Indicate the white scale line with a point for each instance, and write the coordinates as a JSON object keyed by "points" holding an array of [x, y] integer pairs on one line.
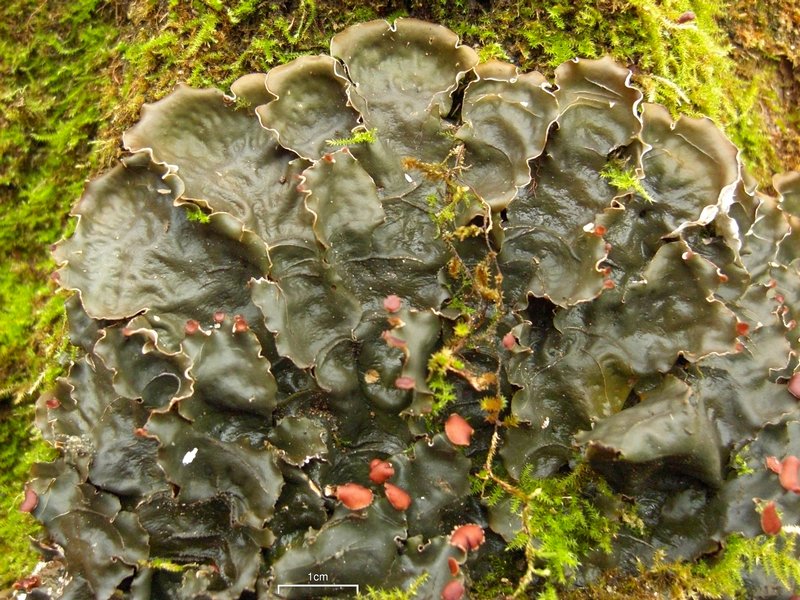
{"points": [[318, 585]]}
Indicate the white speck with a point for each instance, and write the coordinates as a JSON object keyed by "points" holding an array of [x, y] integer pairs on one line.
{"points": [[408, 178], [525, 104], [546, 423], [589, 227], [189, 456], [156, 318]]}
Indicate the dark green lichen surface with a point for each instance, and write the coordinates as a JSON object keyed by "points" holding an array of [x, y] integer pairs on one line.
{"points": [[278, 286]]}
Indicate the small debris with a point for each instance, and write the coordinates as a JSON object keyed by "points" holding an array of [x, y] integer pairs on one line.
{"points": [[189, 456], [27, 584]]}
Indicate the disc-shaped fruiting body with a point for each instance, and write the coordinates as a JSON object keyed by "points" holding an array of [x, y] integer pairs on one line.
{"points": [[397, 497], [770, 520], [353, 495], [380, 471], [458, 431], [468, 537]]}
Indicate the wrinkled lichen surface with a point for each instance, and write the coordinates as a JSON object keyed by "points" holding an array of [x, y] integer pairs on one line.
{"points": [[277, 287]]}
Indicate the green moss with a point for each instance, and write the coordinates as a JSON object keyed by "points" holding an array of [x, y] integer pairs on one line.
{"points": [[359, 137], [20, 447], [624, 179], [164, 564], [495, 583], [396, 593], [738, 463], [48, 76], [718, 577], [492, 50], [444, 393], [561, 523], [19, 298], [193, 213]]}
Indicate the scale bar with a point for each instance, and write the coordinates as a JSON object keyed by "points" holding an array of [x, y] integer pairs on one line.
{"points": [[318, 585]]}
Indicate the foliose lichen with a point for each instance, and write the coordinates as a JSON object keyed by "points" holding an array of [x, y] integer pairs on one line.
{"points": [[342, 324]]}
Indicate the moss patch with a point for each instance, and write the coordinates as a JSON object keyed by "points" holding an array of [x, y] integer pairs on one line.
{"points": [[20, 447], [766, 40], [718, 576], [50, 58]]}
